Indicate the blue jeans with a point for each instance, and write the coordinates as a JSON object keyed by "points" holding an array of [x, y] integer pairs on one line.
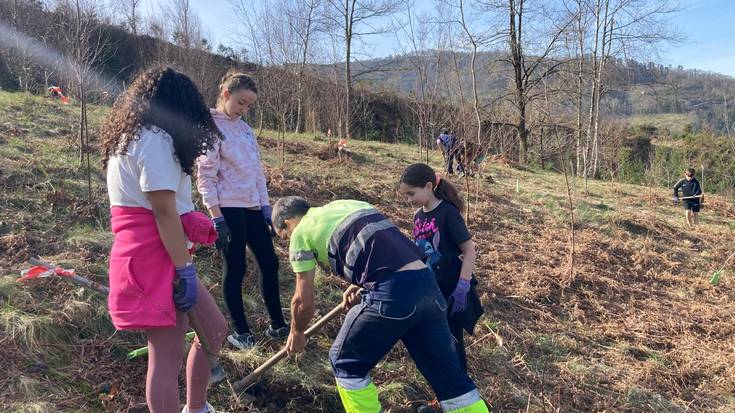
{"points": [[407, 306]]}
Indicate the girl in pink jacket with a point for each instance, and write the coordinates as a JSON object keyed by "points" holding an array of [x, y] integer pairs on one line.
{"points": [[150, 140], [231, 180]]}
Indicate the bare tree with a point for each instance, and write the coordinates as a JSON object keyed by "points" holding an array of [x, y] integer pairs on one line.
{"points": [[274, 35], [131, 13], [186, 24], [278, 98], [529, 70], [577, 10], [305, 22], [468, 31], [85, 46], [355, 19], [334, 51], [621, 28], [416, 33], [547, 112]]}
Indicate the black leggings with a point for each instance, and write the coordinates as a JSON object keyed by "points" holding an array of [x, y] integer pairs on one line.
{"points": [[248, 228]]}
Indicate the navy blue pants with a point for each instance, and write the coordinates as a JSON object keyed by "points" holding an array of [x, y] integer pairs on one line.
{"points": [[407, 306]]}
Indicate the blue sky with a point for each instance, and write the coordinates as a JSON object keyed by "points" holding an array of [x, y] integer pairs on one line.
{"points": [[708, 25]]}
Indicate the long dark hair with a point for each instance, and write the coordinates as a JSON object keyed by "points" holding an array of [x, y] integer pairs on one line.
{"points": [[169, 100], [419, 174]]}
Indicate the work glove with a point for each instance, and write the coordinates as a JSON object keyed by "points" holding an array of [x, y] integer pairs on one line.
{"points": [[267, 211], [675, 200], [185, 287], [223, 234], [458, 299]]}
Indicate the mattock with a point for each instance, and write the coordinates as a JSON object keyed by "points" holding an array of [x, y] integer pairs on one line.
{"points": [[244, 384]]}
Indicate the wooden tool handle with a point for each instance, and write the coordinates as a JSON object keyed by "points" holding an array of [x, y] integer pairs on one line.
{"points": [[253, 377]]}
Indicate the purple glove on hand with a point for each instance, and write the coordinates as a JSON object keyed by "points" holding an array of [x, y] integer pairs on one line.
{"points": [[223, 234], [267, 211], [185, 287], [458, 298]]}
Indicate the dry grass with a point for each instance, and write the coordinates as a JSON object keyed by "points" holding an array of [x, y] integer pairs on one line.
{"points": [[639, 329]]}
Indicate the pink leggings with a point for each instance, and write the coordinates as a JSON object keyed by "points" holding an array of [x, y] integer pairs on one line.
{"points": [[165, 351]]}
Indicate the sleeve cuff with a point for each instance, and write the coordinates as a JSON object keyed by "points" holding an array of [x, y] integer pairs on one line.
{"points": [[210, 201], [303, 266]]}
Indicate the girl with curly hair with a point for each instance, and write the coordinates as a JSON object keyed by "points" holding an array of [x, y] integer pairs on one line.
{"points": [[233, 187], [150, 140]]}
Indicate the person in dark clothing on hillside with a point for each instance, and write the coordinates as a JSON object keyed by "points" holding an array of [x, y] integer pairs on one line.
{"points": [[447, 144], [691, 196]]}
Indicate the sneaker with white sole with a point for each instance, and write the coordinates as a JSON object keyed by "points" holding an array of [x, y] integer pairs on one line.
{"points": [[277, 333], [209, 408], [244, 341]]}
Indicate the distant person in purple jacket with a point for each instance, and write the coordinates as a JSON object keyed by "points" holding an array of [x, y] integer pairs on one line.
{"points": [[447, 144]]}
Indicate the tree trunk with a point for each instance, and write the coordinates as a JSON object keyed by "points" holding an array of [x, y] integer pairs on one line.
{"points": [[87, 148], [580, 86], [297, 127], [515, 38], [349, 14], [81, 126], [593, 98], [606, 31], [522, 136]]}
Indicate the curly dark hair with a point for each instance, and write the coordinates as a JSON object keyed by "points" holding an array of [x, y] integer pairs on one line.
{"points": [[164, 98]]}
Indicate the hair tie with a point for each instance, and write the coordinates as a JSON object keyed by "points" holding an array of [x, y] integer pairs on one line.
{"points": [[438, 179]]}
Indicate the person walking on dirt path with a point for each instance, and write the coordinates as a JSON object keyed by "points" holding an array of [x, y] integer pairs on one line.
{"points": [[150, 140], [440, 231], [447, 144], [393, 296], [233, 188], [691, 196]]}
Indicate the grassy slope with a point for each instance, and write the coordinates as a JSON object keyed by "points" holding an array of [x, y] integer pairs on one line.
{"points": [[638, 329], [675, 122]]}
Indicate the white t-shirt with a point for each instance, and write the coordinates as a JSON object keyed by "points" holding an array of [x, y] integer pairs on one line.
{"points": [[149, 165]]}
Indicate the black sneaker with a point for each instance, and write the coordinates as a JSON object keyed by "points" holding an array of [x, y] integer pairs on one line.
{"points": [[244, 341], [217, 375], [277, 333]]}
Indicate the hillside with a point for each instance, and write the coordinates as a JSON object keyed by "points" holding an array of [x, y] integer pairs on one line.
{"points": [[634, 89], [638, 329]]}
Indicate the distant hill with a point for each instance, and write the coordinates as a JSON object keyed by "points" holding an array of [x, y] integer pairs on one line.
{"points": [[634, 89], [688, 100]]}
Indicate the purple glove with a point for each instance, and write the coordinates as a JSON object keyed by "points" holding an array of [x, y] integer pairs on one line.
{"points": [[185, 287], [267, 211], [223, 234], [459, 296]]}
